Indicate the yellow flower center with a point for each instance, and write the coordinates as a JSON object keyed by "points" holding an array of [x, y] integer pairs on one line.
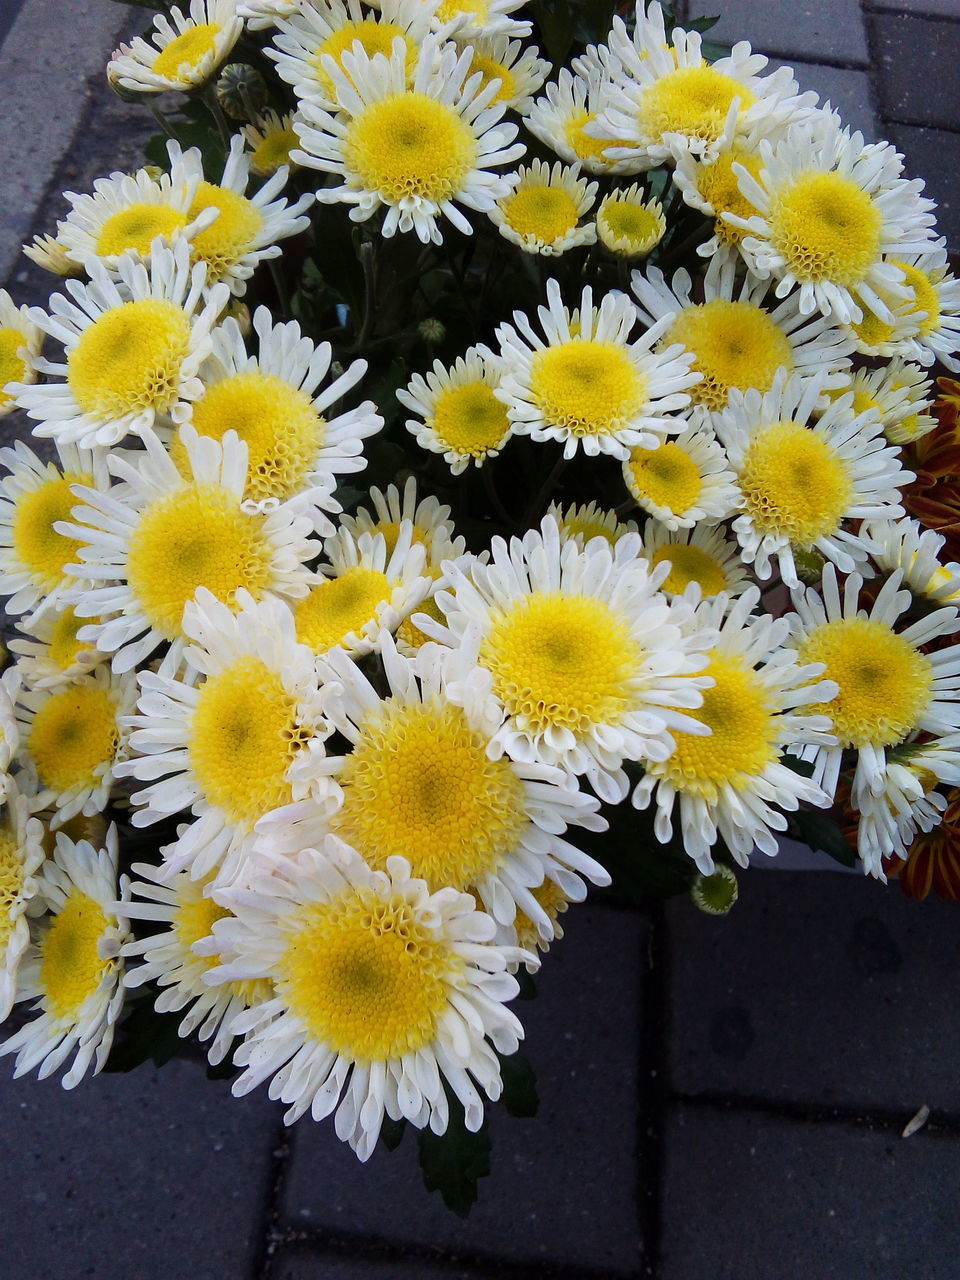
{"points": [[244, 737], [554, 901], [735, 344], [409, 144], [588, 529], [666, 476], [826, 227], [690, 564], [43, 551], [366, 977], [71, 969], [562, 661], [74, 737], [541, 213], [491, 69], [195, 917], [872, 331], [795, 484], [374, 37], [196, 536], [418, 783], [136, 227], [278, 422], [273, 151], [470, 419], [187, 49], [11, 881], [743, 734], [410, 634], [583, 144], [693, 101], [588, 388], [341, 607], [232, 234], [129, 359], [12, 364], [720, 187], [629, 226], [926, 298], [885, 682], [478, 10], [64, 647]]}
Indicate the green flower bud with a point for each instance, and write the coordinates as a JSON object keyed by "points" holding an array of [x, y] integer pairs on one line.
{"points": [[715, 894]]}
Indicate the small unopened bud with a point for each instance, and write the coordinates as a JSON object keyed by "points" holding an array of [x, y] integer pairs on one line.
{"points": [[809, 566], [152, 171], [715, 894], [241, 91], [432, 330], [241, 313]]}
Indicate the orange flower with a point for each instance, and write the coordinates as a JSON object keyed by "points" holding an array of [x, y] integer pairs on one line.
{"points": [[934, 859]]}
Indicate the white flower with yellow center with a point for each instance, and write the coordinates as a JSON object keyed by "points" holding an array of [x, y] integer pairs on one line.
{"points": [[247, 227], [149, 543], [585, 383], [457, 413], [906, 545], [630, 223], [473, 19], [9, 729], [275, 402], [683, 481], [35, 497], [72, 968], [910, 801], [183, 51], [569, 108], [271, 138], [737, 342], [259, 14], [20, 343], [385, 994], [367, 589], [828, 208], [581, 523], [711, 185], [49, 652], [805, 478], [732, 784], [21, 856], [418, 151], [703, 560], [519, 68], [183, 912], [934, 305], [224, 746], [544, 209], [899, 392], [133, 345], [49, 254], [74, 737], [581, 657], [430, 521]]}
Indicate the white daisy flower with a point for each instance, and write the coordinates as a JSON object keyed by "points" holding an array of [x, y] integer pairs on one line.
{"points": [[906, 545], [580, 655], [910, 802], [72, 967], [899, 393], [258, 14], [457, 412], [49, 254], [21, 856], [564, 117], [828, 208], [544, 210], [935, 304], [429, 518], [518, 67], [417, 151], [20, 342], [629, 223], [184, 50], [271, 138], [683, 481], [874, 337], [732, 784], [581, 523], [148, 544], [385, 993], [586, 383], [803, 480], [468, 20], [49, 652], [133, 345], [703, 560]]}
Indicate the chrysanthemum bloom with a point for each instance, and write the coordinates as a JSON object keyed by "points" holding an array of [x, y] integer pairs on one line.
{"points": [[224, 747], [933, 860], [828, 208], [519, 68], [21, 855], [889, 688], [275, 402], [385, 994], [666, 99], [629, 223], [584, 659], [683, 481], [585, 383], [271, 138], [732, 784], [49, 652], [872, 336], [149, 543], [468, 20], [49, 254], [20, 342], [429, 519], [186, 49], [544, 210], [133, 345], [906, 545], [259, 14], [803, 480], [899, 392], [457, 413], [35, 497], [417, 151], [935, 457], [910, 801], [703, 560], [71, 968], [735, 341], [935, 302], [247, 227], [581, 523], [74, 737]]}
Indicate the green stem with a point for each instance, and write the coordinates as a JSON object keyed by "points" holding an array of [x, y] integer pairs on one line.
{"points": [[280, 284], [545, 489], [165, 125], [490, 488], [209, 97]]}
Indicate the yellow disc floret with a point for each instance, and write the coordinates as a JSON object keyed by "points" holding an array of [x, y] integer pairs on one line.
{"points": [[410, 634], [690, 564], [826, 227], [885, 682], [794, 483], [666, 476], [231, 235], [12, 364], [341, 607], [478, 10], [71, 968], [588, 388], [74, 737], [735, 344], [43, 551], [541, 213], [273, 150], [374, 37], [129, 359], [136, 227], [64, 647], [630, 227], [195, 917], [692, 101], [187, 49], [491, 69], [720, 187], [925, 296], [583, 144], [470, 419]]}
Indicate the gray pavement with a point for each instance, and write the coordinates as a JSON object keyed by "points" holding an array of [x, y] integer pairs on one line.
{"points": [[720, 1099]]}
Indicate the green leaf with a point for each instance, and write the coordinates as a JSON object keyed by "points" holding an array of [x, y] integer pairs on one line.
{"points": [[453, 1162], [557, 23], [819, 831], [145, 1036], [391, 1132], [520, 1095], [803, 767], [638, 863]]}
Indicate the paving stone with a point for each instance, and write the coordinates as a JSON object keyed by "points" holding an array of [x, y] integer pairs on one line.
{"points": [[931, 8], [916, 62], [826, 989], [830, 29], [304, 1263], [156, 1175], [848, 92], [563, 1186], [756, 1197], [934, 155]]}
